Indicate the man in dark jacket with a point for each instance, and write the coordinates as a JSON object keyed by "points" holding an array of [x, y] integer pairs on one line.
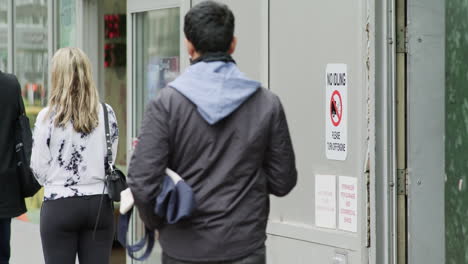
{"points": [[11, 201], [228, 139]]}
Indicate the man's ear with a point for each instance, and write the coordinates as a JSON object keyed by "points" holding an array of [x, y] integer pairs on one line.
{"points": [[232, 48], [190, 48]]}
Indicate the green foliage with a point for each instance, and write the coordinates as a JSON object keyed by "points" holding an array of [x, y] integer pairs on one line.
{"points": [[456, 132]]}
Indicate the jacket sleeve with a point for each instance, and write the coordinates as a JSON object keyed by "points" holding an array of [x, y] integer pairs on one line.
{"points": [[149, 161], [41, 156], [279, 164]]}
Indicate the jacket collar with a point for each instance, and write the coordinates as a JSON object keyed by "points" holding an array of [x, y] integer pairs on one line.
{"points": [[213, 56]]}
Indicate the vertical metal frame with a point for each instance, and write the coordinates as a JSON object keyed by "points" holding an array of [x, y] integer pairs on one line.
{"points": [[11, 35], [385, 133], [370, 167], [80, 23], [426, 131], [89, 36], [51, 36]]}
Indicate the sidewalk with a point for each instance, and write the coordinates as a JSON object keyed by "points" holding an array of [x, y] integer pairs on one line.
{"points": [[26, 245]]}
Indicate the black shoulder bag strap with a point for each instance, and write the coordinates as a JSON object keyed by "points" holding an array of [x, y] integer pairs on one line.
{"points": [[109, 163], [108, 139]]}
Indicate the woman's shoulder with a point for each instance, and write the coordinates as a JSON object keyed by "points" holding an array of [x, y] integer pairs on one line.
{"points": [[42, 115], [110, 110]]}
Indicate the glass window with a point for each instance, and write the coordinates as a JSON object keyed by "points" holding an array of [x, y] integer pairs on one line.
{"points": [[3, 35], [66, 23], [115, 69], [157, 50], [31, 67], [31, 56]]}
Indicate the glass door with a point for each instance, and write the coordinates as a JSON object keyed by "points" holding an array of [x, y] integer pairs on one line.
{"points": [[157, 54], [154, 59]]}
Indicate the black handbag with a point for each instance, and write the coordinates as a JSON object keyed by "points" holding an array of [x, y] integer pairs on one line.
{"points": [[23, 148], [115, 179]]}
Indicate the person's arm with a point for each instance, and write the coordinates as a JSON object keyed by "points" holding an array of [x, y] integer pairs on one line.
{"points": [[41, 157], [279, 165], [149, 162]]}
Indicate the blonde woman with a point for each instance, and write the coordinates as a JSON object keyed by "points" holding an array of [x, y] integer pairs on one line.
{"points": [[68, 159]]}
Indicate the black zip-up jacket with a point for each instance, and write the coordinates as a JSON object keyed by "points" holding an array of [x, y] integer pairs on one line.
{"points": [[11, 201], [232, 167]]}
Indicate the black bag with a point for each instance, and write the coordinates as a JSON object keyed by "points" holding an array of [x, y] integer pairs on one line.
{"points": [[115, 178], [23, 148]]}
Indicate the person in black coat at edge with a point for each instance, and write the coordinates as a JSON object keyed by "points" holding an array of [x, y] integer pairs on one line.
{"points": [[227, 137], [11, 201]]}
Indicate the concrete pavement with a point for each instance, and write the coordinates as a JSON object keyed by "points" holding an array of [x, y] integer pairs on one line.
{"points": [[26, 245]]}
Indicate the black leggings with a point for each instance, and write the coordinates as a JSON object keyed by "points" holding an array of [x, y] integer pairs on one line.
{"points": [[5, 233], [67, 230]]}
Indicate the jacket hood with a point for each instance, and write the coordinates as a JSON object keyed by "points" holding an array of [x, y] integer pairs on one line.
{"points": [[217, 88]]}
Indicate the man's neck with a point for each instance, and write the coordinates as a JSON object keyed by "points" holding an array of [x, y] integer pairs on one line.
{"points": [[196, 55]]}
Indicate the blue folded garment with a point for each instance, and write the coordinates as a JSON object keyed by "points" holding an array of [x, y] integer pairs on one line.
{"points": [[174, 203]]}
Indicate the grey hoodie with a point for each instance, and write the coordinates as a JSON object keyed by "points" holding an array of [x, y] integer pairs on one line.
{"points": [[216, 88]]}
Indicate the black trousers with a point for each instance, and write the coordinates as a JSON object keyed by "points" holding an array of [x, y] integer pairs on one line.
{"points": [[67, 230], [258, 257], [5, 234]]}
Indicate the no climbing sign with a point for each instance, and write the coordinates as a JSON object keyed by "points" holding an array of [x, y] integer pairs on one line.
{"points": [[336, 111]]}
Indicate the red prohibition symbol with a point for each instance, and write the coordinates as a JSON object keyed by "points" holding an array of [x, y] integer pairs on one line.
{"points": [[336, 108]]}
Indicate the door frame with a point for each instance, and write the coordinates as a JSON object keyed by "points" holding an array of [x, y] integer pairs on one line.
{"points": [[135, 7]]}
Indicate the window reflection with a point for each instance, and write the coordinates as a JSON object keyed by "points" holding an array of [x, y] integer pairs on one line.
{"points": [[31, 54], [66, 23], [157, 51], [31, 67]]}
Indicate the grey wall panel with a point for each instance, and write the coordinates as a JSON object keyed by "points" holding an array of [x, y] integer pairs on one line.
{"points": [[304, 37], [252, 34], [426, 92], [292, 251]]}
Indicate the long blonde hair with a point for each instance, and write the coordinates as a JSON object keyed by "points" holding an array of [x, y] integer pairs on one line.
{"points": [[74, 96]]}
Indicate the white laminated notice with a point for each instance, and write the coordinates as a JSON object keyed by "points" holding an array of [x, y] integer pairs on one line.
{"points": [[336, 112], [325, 201], [348, 197]]}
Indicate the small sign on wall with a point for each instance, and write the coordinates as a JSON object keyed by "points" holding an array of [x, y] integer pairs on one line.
{"points": [[347, 211], [325, 201], [336, 111]]}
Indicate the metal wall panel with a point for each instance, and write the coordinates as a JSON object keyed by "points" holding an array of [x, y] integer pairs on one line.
{"points": [[304, 37], [285, 249], [426, 92]]}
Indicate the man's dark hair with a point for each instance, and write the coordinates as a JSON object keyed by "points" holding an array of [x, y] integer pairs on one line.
{"points": [[210, 27]]}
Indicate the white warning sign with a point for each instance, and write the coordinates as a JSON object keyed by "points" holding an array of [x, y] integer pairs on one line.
{"points": [[325, 201], [336, 106], [348, 197]]}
